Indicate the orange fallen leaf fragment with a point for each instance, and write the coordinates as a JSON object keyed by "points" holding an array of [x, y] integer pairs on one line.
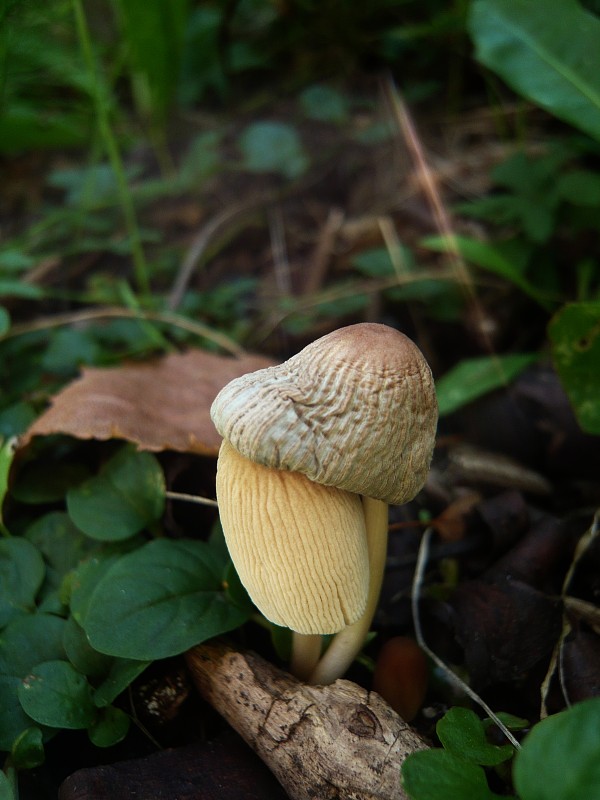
{"points": [[163, 404], [401, 676]]}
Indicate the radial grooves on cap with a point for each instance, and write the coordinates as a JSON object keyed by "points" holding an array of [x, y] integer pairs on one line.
{"points": [[299, 548], [356, 409]]}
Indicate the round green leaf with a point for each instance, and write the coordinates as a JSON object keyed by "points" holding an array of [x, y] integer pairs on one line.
{"points": [[325, 104], [560, 758], [81, 583], [29, 640], [6, 787], [7, 451], [110, 727], [127, 495], [461, 732], [439, 775], [4, 321], [160, 600], [575, 337], [13, 720], [21, 574], [15, 419], [55, 694], [273, 147], [81, 654], [62, 544], [28, 750], [122, 672]]}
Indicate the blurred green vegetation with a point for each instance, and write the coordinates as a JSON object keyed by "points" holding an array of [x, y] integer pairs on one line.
{"points": [[97, 81], [112, 110]]}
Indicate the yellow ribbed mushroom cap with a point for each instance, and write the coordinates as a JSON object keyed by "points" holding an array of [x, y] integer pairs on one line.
{"points": [[299, 548]]}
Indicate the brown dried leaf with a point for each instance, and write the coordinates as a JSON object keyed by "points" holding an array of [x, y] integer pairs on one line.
{"points": [[162, 404], [505, 627], [451, 524]]}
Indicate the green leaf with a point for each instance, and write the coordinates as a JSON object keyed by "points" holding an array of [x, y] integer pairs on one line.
{"points": [[23, 129], [487, 257], [474, 377], [7, 451], [154, 33], [7, 788], [28, 641], [110, 727], [55, 694], [202, 158], [551, 58], [324, 104], [61, 543], [68, 349], [575, 339], [439, 775], [160, 600], [13, 259], [512, 723], [560, 757], [273, 147], [16, 418], [580, 188], [81, 583], [127, 495], [27, 751], [121, 674], [461, 732], [13, 720], [21, 574], [81, 654], [4, 321], [14, 288]]}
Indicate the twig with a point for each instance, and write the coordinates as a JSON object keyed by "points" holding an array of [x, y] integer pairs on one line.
{"points": [[427, 180], [200, 243], [319, 260], [191, 498], [556, 660], [110, 312], [452, 677]]}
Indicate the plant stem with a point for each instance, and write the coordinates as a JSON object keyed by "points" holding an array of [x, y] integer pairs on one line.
{"points": [[346, 644], [306, 651], [112, 150]]}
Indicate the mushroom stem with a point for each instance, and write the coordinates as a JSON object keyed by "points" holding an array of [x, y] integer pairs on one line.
{"points": [[306, 651], [346, 644]]}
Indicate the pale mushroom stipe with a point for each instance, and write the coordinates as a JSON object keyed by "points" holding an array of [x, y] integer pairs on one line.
{"points": [[313, 451]]}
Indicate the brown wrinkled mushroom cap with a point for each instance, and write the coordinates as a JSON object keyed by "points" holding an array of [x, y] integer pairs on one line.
{"points": [[355, 409], [299, 548]]}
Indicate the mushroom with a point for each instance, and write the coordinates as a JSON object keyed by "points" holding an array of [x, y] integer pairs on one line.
{"points": [[313, 451]]}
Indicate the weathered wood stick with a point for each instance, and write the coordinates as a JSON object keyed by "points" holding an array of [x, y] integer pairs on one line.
{"points": [[337, 741]]}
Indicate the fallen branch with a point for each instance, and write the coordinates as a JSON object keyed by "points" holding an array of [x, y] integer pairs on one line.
{"points": [[338, 741]]}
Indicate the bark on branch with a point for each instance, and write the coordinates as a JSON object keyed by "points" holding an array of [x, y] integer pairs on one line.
{"points": [[337, 741]]}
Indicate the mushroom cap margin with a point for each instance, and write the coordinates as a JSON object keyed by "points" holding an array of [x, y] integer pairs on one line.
{"points": [[299, 548]]}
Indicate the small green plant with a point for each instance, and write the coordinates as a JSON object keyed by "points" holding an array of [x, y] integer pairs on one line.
{"points": [[88, 595], [558, 760]]}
